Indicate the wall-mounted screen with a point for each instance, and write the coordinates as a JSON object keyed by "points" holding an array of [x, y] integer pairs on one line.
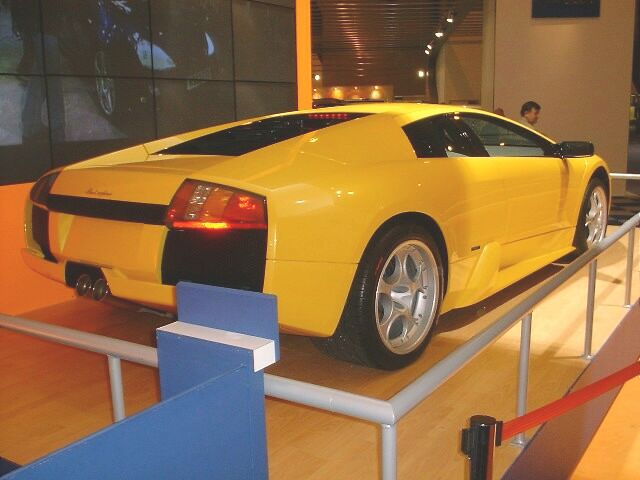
{"points": [[79, 78], [565, 8]]}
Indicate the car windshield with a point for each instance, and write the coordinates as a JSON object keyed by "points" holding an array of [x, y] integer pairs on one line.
{"points": [[259, 134]]}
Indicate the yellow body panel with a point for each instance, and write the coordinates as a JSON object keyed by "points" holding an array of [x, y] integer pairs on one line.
{"points": [[327, 194]]}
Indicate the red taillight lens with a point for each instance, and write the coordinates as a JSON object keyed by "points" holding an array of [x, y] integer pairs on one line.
{"points": [[206, 206]]}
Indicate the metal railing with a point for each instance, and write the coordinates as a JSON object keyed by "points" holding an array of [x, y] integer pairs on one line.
{"points": [[386, 413]]}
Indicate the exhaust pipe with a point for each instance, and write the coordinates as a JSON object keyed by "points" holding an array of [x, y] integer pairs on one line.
{"points": [[100, 289], [87, 287], [84, 285]]}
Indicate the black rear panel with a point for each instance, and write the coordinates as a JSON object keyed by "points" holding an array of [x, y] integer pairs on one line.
{"points": [[231, 259], [40, 230], [252, 136], [148, 213]]}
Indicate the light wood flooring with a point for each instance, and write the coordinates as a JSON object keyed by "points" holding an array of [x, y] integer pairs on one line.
{"points": [[51, 395]]}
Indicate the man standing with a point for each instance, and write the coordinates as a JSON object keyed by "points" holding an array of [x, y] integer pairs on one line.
{"points": [[529, 113]]}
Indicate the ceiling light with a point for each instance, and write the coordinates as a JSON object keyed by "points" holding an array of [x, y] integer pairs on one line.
{"points": [[450, 18], [439, 34], [317, 77], [421, 73], [427, 52], [430, 46]]}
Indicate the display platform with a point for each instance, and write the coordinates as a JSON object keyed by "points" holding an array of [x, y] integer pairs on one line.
{"points": [[67, 394]]}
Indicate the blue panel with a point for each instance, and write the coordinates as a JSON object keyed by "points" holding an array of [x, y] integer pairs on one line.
{"points": [[238, 311], [184, 362], [201, 434]]}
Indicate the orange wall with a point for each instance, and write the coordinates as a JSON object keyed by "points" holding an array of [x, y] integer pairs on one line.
{"points": [[21, 289], [303, 49]]}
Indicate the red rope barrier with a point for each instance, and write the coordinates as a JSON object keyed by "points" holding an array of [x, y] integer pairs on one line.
{"points": [[571, 401]]}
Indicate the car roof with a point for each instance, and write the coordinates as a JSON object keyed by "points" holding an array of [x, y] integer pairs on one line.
{"points": [[410, 112]]}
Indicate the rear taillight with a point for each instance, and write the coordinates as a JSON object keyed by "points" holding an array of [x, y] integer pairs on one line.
{"points": [[40, 191], [206, 206]]}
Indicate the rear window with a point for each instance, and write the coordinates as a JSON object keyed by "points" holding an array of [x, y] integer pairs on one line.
{"points": [[259, 134]]}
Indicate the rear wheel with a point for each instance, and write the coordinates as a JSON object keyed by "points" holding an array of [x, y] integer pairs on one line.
{"points": [[394, 301], [594, 214]]}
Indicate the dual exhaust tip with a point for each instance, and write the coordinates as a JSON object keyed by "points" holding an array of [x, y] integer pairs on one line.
{"points": [[97, 289]]}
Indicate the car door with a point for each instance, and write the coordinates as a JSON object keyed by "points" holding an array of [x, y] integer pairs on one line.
{"points": [[536, 182], [474, 201]]}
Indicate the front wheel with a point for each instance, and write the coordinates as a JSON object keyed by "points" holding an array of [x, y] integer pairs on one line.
{"points": [[594, 214], [394, 301]]}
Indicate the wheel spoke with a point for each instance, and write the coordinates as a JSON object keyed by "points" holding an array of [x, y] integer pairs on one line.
{"points": [[407, 296]]}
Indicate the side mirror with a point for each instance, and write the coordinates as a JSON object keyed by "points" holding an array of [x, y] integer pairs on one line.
{"points": [[576, 149]]}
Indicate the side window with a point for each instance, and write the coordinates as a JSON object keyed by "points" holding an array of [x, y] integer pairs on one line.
{"points": [[459, 140], [441, 137], [502, 139], [426, 138]]}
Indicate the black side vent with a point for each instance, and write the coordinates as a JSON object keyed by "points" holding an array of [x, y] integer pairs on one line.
{"points": [[148, 213]]}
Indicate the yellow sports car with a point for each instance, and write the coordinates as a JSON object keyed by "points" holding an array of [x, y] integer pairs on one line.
{"points": [[366, 221]]}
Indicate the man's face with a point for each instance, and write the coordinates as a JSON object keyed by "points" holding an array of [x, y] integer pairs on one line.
{"points": [[532, 116]]}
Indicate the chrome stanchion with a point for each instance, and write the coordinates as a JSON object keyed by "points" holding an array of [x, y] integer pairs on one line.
{"points": [[389, 452], [629, 276], [591, 295], [117, 394], [523, 374]]}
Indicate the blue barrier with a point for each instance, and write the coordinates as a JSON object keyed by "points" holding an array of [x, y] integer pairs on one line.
{"points": [[210, 422]]}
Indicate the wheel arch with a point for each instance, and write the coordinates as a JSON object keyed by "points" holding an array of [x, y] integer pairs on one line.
{"points": [[601, 174], [423, 220]]}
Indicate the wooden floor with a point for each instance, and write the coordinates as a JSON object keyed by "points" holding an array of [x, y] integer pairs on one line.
{"points": [[51, 395]]}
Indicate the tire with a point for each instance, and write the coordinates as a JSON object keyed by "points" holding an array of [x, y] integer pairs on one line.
{"points": [[594, 214], [394, 301]]}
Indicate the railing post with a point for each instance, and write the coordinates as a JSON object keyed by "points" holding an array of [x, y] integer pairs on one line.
{"points": [[478, 443], [523, 374], [389, 452], [115, 381], [591, 295], [628, 279]]}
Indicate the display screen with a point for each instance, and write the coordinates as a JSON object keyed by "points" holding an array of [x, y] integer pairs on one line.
{"points": [[20, 42], [263, 51], [192, 39], [565, 8], [79, 78], [97, 37], [184, 105], [254, 99]]}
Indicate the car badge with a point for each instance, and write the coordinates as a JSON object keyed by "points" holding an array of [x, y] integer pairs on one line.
{"points": [[93, 191]]}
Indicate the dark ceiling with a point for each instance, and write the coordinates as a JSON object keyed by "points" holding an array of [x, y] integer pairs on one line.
{"points": [[374, 42]]}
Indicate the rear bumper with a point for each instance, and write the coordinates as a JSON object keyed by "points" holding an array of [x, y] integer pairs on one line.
{"points": [[311, 296], [148, 293]]}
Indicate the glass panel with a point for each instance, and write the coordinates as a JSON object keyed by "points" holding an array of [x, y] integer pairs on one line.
{"points": [[255, 99], [192, 39], [184, 105], [24, 137], [252, 136], [98, 37], [86, 121], [20, 39], [263, 42], [502, 140], [426, 139]]}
